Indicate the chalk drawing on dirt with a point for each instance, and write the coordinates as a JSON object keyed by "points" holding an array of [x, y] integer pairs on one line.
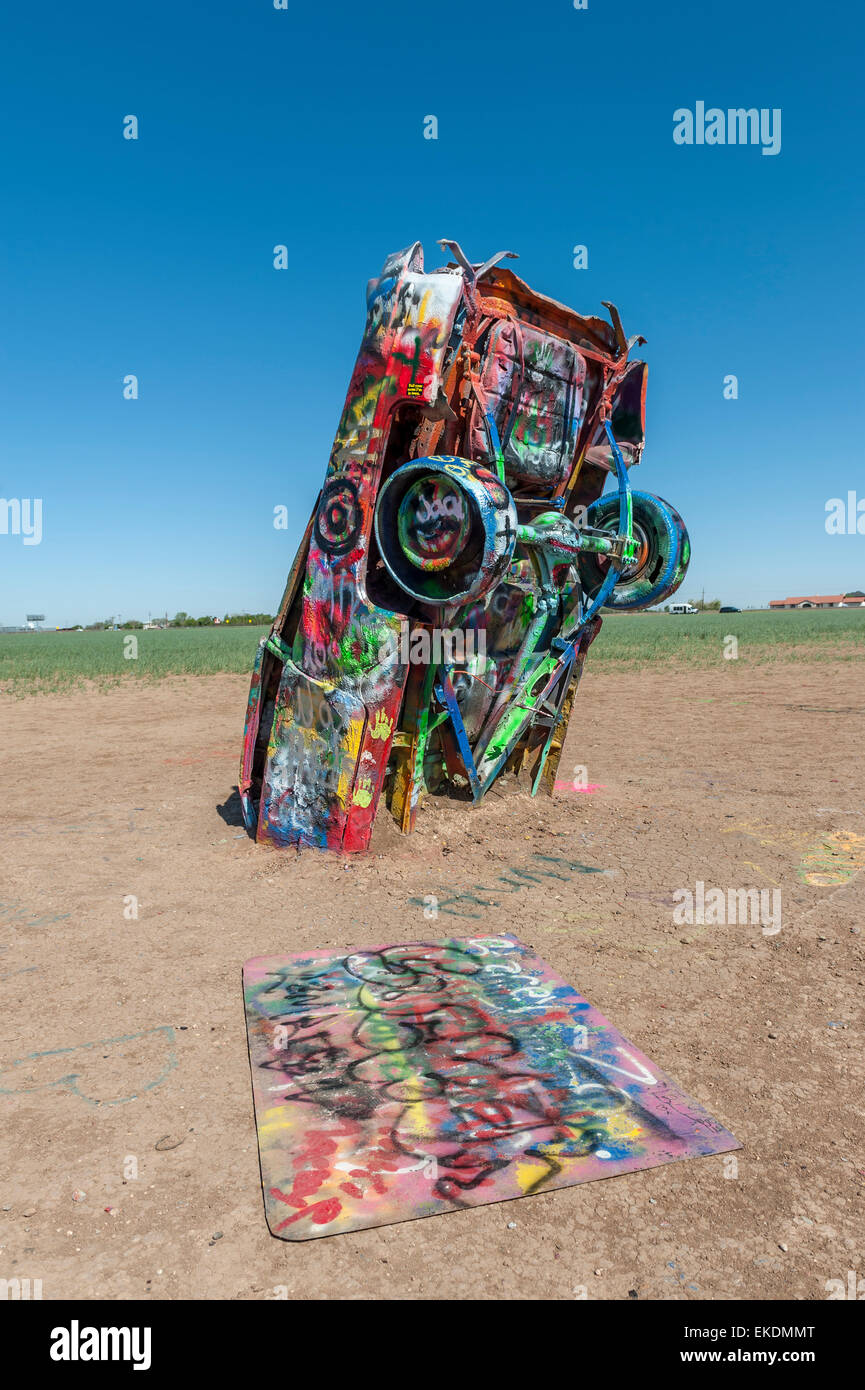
{"points": [[79, 1070], [512, 880], [829, 863], [834, 860], [13, 914]]}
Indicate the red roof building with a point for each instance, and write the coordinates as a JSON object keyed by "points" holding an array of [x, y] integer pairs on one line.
{"points": [[852, 600]]}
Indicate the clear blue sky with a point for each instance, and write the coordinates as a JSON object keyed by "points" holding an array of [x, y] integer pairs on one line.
{"points": [[305, 127]]}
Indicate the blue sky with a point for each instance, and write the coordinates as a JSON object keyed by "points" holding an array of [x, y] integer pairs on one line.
{"points": [[305, 127]]}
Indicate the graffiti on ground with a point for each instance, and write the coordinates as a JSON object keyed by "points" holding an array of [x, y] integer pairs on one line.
{"points": [[829, 863], [142, 1060], [407, 1080], [834, 860], [12, 914], [446, 901]]}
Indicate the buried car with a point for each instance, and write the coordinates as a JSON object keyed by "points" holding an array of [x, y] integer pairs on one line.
{"points": [[453, 572]]}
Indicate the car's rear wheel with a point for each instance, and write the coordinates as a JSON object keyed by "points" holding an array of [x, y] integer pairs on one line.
{"points": [[662, 562]]}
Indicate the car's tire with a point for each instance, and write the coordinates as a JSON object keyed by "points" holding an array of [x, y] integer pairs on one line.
{"points": [[445, 528], [661, 566]]}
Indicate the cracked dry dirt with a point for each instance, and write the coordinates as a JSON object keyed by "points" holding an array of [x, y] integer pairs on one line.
{"points": [[123, 1047]]}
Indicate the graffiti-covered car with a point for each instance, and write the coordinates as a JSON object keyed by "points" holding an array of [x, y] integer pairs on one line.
{"points": [[453, 573]]}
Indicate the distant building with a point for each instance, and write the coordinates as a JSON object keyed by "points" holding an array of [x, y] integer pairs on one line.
{"points": [[855, 599]]}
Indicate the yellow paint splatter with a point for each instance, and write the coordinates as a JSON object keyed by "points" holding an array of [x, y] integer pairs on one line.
{"points": [[350, 747], [834, 860]]}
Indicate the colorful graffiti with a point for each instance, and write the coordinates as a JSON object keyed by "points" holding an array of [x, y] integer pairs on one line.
{"points": [[829, 863], [833, 861], [407, 1080], [463, 492]]}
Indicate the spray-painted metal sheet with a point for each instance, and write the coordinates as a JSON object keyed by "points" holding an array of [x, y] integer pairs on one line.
{"points": [[407, 1080]]}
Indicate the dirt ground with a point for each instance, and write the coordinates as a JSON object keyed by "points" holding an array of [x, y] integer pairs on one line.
{"points": [[123, 1059]]}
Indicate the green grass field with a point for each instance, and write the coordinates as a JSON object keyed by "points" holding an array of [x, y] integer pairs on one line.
{"points": [[698, 639], [47, 661], [50, 661]]}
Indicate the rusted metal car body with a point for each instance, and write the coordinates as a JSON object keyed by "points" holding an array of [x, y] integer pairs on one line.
{"points": [[437, 616]]}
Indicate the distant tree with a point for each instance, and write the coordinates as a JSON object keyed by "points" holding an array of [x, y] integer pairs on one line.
{"points": [[132, 623], [702, 607], [260, 619]]}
